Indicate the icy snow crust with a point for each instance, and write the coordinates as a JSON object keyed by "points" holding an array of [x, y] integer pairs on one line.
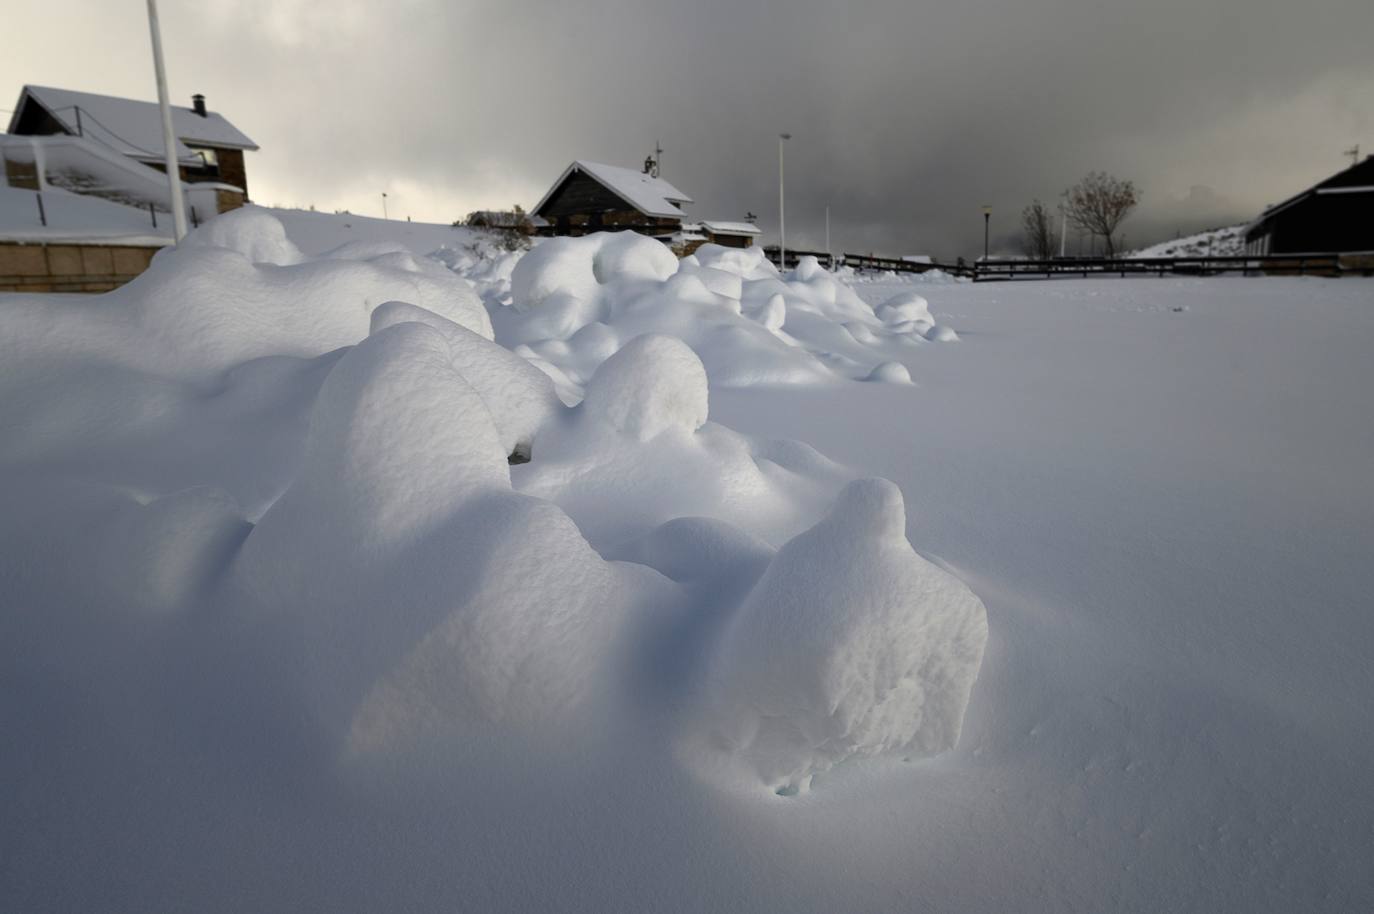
{"points": [[313, 452]]}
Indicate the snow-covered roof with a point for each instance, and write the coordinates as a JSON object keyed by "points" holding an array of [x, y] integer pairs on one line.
{"points": [[130, 126], [650, 195], [730, 228], [1330, 185]]}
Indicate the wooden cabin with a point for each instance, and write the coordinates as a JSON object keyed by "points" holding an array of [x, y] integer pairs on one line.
{"points": [[730, 234], [209, 148], [1333, 216], [591, 197]]}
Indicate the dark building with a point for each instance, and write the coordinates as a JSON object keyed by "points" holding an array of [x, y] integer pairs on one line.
{"points": [[591, 197], [1335, 216]]}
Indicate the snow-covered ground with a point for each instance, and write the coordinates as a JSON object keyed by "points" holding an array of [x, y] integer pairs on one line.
{"points": [[281, 628], [315, 232]]}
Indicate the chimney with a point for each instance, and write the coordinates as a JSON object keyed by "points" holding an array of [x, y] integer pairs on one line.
{"points": [[198, 104]]}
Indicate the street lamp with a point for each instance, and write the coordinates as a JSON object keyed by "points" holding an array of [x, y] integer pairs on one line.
{"points": [[1063, 228], [384, 205], [782, 218], [169, 141], [987, 220]]}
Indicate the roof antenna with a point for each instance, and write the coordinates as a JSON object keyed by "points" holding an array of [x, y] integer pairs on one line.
{"points": [[1354, 153]]}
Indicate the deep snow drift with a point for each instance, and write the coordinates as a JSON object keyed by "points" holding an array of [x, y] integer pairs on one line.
{"points": [[319, 448], [283, 627]]}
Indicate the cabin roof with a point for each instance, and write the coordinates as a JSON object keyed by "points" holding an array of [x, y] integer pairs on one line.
{"points": [[1358, 178], [650, 195], [130, 126], [730, 228]]}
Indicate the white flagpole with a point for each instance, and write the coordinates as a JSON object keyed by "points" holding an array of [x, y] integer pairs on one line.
{"points": [[169, 141]]}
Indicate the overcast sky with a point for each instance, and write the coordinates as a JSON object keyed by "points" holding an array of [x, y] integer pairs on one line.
{"points": [[905, 117]]}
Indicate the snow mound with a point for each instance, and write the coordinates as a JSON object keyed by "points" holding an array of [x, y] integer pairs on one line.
{"points": [[850, 645], [939, 333], [891, 373], [519, 397], [251, 231], [905, 306], [206, 306], [429, 593], [652, 384], [572, 299], [640, 451]]}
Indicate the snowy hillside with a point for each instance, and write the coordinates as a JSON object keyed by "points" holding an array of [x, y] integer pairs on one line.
{"points": [[372, 567], [314, 232], [1222, 242]]}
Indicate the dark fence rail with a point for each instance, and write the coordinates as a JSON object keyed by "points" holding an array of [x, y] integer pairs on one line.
{"points": [[1253, 265]]}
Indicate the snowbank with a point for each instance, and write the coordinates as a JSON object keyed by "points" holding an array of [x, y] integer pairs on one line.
{"points": [[265, 511], [323, 445], [572, 302]]}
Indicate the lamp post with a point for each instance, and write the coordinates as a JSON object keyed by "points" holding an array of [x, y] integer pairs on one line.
{"points": [[169, 142], [384, 216], [1063, 229], [782, 217], [987, 220], [829, 258]]}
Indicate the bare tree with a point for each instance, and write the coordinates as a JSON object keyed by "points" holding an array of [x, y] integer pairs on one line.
{"points": [[1099, 203], [1040, 239]]}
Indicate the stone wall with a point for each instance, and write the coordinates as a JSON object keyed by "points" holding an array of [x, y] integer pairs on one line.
{"points": [[43, 267]]}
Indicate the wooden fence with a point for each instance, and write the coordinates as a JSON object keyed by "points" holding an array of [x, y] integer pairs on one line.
{"points": [[1102, 268], [1258, 265], [865, 262]]}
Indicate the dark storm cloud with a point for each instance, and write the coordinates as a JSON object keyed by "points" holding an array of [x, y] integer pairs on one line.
{"points": [[906, 117]]}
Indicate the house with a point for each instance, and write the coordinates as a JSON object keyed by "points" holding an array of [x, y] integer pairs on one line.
{"points": [[730, 234], [1333, 216], [209, 148], [591, 197]]}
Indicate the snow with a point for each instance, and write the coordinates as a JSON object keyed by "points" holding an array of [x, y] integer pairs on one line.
{"points": [[573, 301], [651, 195], [74, 218], [811, 674], [731, 228], [1222, 242], [133, 127], [1074, 620], [316, 233], [652, 384]]}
